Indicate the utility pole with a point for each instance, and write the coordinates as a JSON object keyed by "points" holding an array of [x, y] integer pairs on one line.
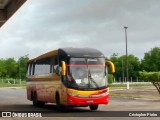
{"points": [[127, 76], [122, 71]]}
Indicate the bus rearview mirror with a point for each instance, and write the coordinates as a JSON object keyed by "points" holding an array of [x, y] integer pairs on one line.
{"points": [[112, 67], [63, 68]]}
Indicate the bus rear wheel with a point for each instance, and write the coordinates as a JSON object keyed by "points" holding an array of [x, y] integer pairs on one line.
{"points": [[93, 107], [36, 102]]}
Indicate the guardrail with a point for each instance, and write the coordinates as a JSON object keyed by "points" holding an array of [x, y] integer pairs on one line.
{"points": [[131, 83]]}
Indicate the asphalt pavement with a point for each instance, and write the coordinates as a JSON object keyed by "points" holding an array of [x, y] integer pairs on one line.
{"points": [[15, 100]]}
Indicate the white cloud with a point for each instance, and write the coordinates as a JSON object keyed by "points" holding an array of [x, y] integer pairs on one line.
{"points": [[38, 27]]}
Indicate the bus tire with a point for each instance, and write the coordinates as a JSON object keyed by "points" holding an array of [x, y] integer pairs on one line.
{"points": [[93, 107], [32, 96], [36, 102], [58, 104]]}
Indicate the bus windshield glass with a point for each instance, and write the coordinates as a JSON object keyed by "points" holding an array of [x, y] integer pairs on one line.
{"points": [[87, 73]]}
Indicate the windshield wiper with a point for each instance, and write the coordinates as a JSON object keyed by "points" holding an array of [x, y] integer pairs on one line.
{"points": [[91, 79]]}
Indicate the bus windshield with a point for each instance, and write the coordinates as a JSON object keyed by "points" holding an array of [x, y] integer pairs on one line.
{"points": [[87, 73]]}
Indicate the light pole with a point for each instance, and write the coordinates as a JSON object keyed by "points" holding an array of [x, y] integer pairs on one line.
{"points": [[122, 71], [127, 76]]}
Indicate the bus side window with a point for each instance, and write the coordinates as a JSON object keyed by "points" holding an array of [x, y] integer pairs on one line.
{"points": [[33, 69], [42, 66], [29, 69]]}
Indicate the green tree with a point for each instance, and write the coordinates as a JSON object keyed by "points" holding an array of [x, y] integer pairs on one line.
{"points": [[153, 77], [150, 65], [151, 60], [3, 71], [133, 66], [11, 68], [120, 65], [22, 66]]}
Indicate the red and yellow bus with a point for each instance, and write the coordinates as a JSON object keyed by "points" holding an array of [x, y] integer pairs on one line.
{"points": [[69, 77]]}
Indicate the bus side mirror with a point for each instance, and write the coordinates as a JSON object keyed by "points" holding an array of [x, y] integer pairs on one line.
{"points": [[63, 68], [111, 66]]}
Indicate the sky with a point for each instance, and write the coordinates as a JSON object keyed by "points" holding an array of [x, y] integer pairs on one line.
{"points": [[40, 26]]}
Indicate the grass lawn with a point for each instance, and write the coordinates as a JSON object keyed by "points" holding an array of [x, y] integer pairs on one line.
{"points": [[130, 85], [13, 85]]}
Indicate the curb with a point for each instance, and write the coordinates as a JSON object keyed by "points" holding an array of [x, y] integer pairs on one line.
{"points": [[138, 99]]}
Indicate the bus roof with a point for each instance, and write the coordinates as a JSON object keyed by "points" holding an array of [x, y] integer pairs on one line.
{"points": [[81, 52], [71, 52], [49, 54]]}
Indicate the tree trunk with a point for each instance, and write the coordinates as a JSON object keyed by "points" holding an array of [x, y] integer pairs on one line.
{"points": [[157, 85]]}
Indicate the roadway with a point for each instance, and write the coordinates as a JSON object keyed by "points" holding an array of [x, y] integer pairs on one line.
{"points": [[12, 99]]}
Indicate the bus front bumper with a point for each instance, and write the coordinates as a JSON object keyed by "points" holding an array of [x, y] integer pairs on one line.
{"points": [[78, 101]]}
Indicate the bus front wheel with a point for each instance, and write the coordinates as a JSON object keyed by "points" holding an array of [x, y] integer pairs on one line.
{"points": [[58, 104], [93, 107]]}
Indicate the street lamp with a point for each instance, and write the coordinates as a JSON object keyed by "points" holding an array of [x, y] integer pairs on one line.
{"points": [[126, 58], [122, 71]]}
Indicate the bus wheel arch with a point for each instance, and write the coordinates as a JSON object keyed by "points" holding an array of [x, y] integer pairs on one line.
{"points": [[57, 98], [36, 102], [58, 103]]}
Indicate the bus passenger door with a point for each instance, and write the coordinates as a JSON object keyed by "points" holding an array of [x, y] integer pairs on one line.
{"points": [[63, 88]]}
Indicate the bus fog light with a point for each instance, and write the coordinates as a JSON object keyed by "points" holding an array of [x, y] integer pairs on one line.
{"points": [[107, 99]]}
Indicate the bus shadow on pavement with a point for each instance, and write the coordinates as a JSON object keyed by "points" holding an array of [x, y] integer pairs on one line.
{"points": [[53, 108], [49, 110], [46, 108]]}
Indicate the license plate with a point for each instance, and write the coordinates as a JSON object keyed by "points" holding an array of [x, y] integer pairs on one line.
{"points": [[89, 101]]}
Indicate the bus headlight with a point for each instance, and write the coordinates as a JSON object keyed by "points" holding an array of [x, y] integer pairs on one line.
{"points": [[72, 94], [106, 93]]}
